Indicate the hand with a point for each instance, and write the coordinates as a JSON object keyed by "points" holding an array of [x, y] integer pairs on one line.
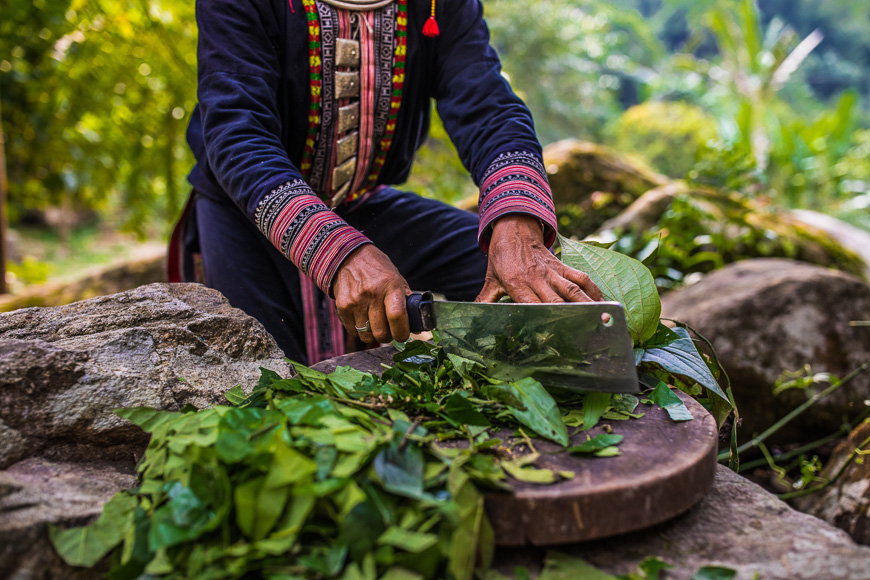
{"points": [[370, 291], [521, 266]]}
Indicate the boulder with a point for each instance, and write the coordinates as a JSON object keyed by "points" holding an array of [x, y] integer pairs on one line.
{"points": [[592, 184], [852, 238], [703, 229], [846, 503], [738, 525], [765, 316], [38, 492], [577, 169], [64, 369]]}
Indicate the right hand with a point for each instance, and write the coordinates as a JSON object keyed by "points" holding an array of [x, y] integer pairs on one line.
{"points": [[368, 289]]}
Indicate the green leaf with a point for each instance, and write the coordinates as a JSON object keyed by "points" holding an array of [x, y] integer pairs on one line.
{"points": [[527, 473], [397, 573], [401, 469], [714, 573], [259, 507], [347, 378], [464, 366], [653, 566], [148, 419], [460, 410], [621, 279], [236, 396], [597, 443], [473, 542], [559, 566], [681, 357], [624, 403], [87, 545], [663, 336], [183, 518], [541, 414], [410, 541], [307, 411], [665, 398], [594, 406]]}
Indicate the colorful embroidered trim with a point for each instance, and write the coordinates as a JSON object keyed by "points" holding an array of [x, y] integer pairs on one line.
{"points": [[316, 80], [516, 182], [400, 53], [306, 231]]}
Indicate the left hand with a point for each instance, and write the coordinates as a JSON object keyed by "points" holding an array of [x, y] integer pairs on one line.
{"points": [[521, 266]]}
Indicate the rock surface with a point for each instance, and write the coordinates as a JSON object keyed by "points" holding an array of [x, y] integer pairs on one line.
{"points": [[764, 316], [855, 239], [37, 492], [846, 504], [577, 169], [737, 525], [64, 369]]}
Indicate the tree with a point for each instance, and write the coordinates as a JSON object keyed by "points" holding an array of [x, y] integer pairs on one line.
{"points": [[98, 96]]}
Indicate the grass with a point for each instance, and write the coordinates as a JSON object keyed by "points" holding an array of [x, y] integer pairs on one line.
{"points": [[42, 257]]}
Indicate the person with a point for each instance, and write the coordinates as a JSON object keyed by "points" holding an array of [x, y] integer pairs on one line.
{"points": [[309, 111]]}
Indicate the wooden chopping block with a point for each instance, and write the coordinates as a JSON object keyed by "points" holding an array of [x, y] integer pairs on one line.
{"points": [[665, 468]]}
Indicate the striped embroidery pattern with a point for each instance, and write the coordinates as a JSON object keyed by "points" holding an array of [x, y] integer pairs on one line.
{"points": [[399, 53], [306, 231], [516, 182], [324, 148], [316, 81]]}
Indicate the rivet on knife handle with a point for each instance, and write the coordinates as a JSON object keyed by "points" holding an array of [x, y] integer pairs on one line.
{"points": [[420, 315]]}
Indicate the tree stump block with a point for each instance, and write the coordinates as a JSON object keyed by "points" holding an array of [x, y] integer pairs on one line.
{"points": [[665, 469]]}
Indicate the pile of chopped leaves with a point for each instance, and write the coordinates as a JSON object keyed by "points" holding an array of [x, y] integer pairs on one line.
{"points": [[353, 476]]}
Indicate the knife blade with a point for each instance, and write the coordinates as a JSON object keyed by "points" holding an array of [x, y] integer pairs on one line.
{"points": [[577, 346]]}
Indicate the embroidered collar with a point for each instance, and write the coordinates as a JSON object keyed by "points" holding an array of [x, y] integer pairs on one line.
{"points": [[358, 5]]}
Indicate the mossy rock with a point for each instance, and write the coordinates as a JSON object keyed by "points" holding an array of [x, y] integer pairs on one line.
{"points": [[699, 230], [592, 183]]}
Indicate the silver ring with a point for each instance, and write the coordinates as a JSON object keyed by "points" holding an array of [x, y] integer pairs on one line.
{"points": [[366, 328]]}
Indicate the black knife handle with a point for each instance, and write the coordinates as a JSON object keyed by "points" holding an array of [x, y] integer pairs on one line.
{"points": [[420, 314]]}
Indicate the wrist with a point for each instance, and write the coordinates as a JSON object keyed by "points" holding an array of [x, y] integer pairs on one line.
{"points": [[523, 225]]}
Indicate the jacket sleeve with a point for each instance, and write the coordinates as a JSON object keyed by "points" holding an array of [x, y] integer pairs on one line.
{"points": [[490, 126], [238, 80]]}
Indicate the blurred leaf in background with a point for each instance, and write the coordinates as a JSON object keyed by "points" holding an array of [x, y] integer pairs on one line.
{"points": [[96, 95]]}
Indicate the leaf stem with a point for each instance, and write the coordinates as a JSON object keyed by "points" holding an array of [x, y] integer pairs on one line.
{"points": [[845, 429], [859, 450], [795, 412]]}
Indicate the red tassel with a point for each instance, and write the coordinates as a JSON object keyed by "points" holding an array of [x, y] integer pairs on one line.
{"points": [[430, 29]]}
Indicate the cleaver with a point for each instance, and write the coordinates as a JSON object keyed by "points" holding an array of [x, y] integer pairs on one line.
{"points": [[575, 346]]}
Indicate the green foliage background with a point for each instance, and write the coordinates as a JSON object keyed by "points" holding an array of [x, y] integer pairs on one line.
{"points": [[96, 96]]}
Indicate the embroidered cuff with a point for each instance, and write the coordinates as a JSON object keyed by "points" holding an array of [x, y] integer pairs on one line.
{"points": [[516, 183], [315, 239]]}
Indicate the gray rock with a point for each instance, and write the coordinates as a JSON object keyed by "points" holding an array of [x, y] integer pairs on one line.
{"points": [[765, 316], [846, 503], [852, 238], [36, 493], [737, 525], [64, 369]]}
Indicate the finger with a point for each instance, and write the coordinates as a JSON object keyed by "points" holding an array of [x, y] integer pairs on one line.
{"points": [[380, 325], [362, 320], [492, 291], [570, 291], [547, 292], [523, 294], [584, 282], [397, 315], [347, 320]]}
